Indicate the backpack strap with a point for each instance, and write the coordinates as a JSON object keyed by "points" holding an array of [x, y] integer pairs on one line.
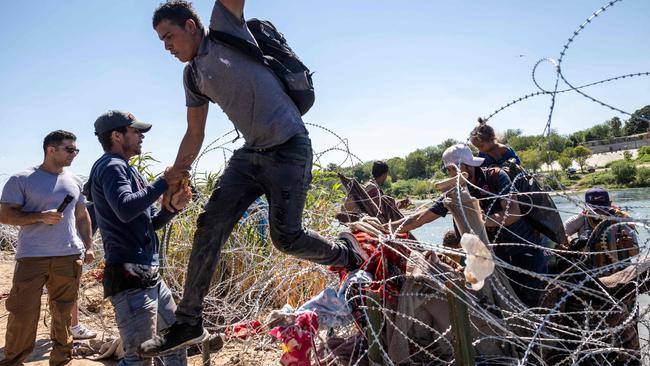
{"points": [[242, 45]]}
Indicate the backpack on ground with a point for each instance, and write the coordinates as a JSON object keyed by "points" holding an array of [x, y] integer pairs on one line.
{"points": [[536, 205], [273, 51]]}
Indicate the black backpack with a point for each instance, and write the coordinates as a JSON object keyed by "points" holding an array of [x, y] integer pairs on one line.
{"points": [[274, 52], [546, 220]]}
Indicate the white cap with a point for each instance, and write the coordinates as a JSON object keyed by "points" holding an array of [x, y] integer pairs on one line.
{"points": [[460, 154]]}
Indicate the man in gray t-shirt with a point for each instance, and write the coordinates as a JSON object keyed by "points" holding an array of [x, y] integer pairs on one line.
{"points": [[276, 159], [52, 238]]}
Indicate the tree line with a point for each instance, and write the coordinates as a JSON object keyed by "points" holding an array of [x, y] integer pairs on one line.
{"points": [[534, 150]]}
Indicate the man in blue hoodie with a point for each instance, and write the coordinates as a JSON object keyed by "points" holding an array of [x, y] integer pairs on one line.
{"points": [[127, 220]]}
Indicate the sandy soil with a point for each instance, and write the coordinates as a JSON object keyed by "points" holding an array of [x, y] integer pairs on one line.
{"points": [[98, 316]]}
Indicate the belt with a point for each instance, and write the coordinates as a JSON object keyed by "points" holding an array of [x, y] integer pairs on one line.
{"points": [[276, 147]]}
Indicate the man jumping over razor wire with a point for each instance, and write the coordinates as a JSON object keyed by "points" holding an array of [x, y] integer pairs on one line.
{"points": [[276, 159]]}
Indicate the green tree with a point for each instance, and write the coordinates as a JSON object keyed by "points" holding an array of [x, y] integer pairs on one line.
{"points": [[556, 142], [362, 171], [581, 154], [565, 162], [577, 138], [548, 157], [531, 159], [416, 166], [615, 124], [521, 143], [598, 132], [638, 122], [396, 168], [509, 134], [332, 167]]}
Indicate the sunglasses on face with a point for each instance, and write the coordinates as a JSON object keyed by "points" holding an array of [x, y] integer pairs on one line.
{"points": [[70, 150]]}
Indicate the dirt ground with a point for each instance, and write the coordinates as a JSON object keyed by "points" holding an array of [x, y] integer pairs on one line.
{"points": [[97, 315]]}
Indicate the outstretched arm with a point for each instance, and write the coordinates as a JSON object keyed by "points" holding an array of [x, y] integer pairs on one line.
{"points": [[414, 221], [234, 6], [193, 139], [125, 203]]}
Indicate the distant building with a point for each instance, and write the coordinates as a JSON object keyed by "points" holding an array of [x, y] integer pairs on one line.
{"points": [[619, 143]]}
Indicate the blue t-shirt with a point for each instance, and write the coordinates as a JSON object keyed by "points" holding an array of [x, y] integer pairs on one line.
{"points": [[37, 190], [490, 161]]}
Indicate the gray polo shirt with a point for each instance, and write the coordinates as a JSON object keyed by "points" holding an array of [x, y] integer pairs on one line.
{"points": [[37, 190], [248, 92]]}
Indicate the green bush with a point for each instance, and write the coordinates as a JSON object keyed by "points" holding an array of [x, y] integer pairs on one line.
{"points": [[597, 179], [642, 177], [553, 181], [421, 188], [409, 187], [624, 171], [644, 150], [627, 155], [609, 164]]}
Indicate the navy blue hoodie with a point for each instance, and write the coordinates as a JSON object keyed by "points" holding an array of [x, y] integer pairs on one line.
{"points": [[124, 210]]}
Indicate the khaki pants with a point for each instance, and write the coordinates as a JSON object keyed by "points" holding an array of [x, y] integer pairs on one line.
{"points": [[61, 276]]}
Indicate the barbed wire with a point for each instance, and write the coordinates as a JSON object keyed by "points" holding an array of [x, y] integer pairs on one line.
{"points": [[580, 319]]}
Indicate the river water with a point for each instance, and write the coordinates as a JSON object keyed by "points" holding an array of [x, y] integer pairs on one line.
{"points": [[635, 201]]}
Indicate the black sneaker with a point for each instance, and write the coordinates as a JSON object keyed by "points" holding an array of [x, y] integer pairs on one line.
{"points": [[178, 336], [356, 255]]}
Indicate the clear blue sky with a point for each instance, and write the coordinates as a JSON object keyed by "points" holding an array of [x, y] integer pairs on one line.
{"points": [[390, 76]]}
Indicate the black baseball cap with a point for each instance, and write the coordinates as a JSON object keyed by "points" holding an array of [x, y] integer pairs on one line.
{"points": [[597, 197], [116, 119]]}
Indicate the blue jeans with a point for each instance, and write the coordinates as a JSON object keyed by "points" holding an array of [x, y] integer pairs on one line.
{"points": [[283, 174], [139, 313]]}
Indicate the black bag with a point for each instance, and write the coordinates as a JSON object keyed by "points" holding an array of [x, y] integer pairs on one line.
{"points": [[274, 52], [545, 220]]}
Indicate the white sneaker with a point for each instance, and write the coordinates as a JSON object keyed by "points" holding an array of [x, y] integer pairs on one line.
{"points": [[80, 332]]}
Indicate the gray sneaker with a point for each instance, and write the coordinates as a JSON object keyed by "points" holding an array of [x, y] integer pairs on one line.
{"points": [[178, 336]]}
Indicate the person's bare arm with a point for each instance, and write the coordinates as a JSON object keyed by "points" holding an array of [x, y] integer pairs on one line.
{"points": [[234, 6], [11, 214], [187, 151], [84, 228], [501, 218], [193, 139], [414, 221]]}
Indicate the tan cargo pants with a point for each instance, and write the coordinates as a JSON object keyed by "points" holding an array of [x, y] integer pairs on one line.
{"points": [[61, 277]]}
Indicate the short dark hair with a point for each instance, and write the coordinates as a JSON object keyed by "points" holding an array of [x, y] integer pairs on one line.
{"points": [[451, 239], [105, 137], [379, 168], [177, 12], [55, 138]]}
